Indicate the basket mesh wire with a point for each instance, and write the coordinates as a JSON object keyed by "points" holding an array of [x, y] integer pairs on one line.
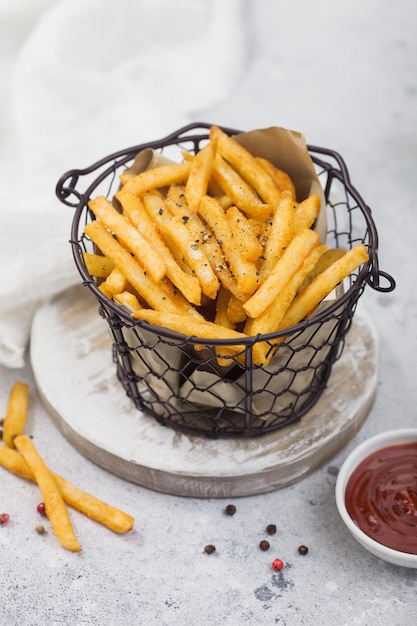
{"points": [[170, 377]]}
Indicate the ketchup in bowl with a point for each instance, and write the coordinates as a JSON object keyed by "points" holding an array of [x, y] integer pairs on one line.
{"points": [[381, 496]]}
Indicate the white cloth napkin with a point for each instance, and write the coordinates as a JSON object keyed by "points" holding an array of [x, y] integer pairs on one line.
{"points": [[92, 77]]}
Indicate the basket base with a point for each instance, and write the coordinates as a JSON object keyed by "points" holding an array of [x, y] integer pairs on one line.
{"points": [[91, 409]]}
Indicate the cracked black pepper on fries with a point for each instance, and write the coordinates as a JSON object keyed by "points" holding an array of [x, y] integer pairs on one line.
{"points": [[221, 232]]}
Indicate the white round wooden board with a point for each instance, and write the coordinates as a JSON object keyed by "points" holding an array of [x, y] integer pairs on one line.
{"points": [[76, 377]]}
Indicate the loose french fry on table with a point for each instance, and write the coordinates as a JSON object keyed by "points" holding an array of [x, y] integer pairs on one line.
{"points": [[247, 166], [130, 236], [56, 509], [16, 413], [109, 516]]}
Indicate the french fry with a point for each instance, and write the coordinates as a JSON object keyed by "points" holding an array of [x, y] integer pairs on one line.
{"points": [[290, 262], [156, 178], [174, 230], [306, 213], [56, 509], [282, 179], [114, 283], [329, 257], [16, 413], [244, 232], [222, 319], [98, 265], [199, 176], [130, 236], [187, 326], [196, 328], [323, 284], [235, 311], [127, 299], [244, 271], [269, 320], [279, 234], [247, 166], [134, 208], [111, 517], [240, 192], [134, 273]]}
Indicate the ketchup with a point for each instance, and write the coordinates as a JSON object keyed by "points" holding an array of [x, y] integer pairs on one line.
{"points": [[381, 497]]}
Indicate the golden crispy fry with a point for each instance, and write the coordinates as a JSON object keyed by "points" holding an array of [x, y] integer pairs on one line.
{"points": [[269, 320], [281, 179], [247, 166], [235, 311], [240, 192], [199, 176], [306, 213], [98, 265], [244, 233], [323, 284], [329, 257], [134, 208], [16, 413], [222, 319], [174, 231], [116, 520], [290, 262], [187, 326], [195, 328], [135, 274], [204, 236], [156, 178], [130, 236], [127, 299], [109, 516], [114, 283], [54, 502], [244, 271], [279, 234]]}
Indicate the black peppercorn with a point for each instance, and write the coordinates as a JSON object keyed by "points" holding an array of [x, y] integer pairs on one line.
{"points": [[230, 509], [303, 550], [264, 545], [209, 549], [271, 529]]}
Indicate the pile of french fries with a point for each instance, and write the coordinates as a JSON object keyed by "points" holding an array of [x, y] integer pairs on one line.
{"points": [[216, 247], [19, 455]]}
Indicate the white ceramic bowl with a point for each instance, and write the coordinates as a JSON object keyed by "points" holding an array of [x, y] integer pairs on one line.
{"points": [[393, 437]]}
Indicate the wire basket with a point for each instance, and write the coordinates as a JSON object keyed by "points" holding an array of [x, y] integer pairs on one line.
{"points": [[181, 386]]}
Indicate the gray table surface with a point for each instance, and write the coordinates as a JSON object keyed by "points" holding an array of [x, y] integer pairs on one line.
{"points": [[345, 74]]}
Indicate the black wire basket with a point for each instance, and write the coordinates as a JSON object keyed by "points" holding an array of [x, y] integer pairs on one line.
{"points": [[164, 373]]}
